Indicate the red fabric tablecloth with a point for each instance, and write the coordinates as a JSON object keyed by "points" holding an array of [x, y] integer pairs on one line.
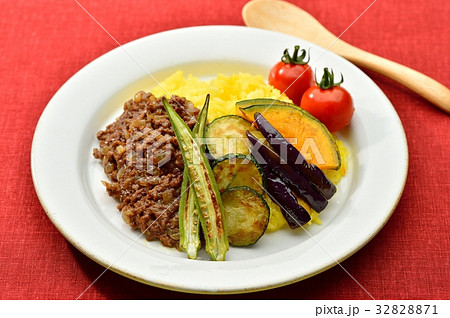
{"points": [[43, 43]]}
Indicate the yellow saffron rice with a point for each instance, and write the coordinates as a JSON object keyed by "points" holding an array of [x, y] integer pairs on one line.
{"points": [[225, 91]]}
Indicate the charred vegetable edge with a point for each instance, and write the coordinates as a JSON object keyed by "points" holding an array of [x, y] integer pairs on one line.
{"points": [[203, 183]]}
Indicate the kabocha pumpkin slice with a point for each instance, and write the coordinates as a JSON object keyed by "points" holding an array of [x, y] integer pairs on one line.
{"points": [[294, 158], [260, 101], [301, 129], [291, 177]]}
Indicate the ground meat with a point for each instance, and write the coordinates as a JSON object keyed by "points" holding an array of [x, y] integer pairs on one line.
{"points": [[141, 157]]}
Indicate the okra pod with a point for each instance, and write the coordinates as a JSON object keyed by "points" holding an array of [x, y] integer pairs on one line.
{"points": [[188, 216], [188, 219], [204, 186]]}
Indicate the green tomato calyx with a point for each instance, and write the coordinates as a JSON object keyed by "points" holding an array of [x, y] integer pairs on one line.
{"points": [[295, 58], [327, 81]]}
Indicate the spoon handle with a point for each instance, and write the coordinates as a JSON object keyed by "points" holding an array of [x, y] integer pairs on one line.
{"points": [[419, 83]]}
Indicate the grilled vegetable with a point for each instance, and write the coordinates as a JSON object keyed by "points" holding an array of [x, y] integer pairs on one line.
{"points": [[276, 220], [189, 221], [261, 101], [204, 186], [294, 214], [303, 128], [247, 215], [294, 158], [226, 135], [234, 170], [188, 209], [291, 177]]}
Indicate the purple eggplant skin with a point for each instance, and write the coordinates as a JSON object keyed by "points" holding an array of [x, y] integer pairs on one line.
{"points": [[291, 177], [284, 148], [294, 214]]}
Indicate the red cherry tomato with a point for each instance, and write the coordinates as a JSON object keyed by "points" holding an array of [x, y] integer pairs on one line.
{"points": [[329, 102], [292, 75]]}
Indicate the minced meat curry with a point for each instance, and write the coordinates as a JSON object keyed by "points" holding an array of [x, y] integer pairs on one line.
{"points": [[141, 157]]}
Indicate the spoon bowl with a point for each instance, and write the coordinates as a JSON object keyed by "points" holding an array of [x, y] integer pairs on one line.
{"points": [[287, 18]]}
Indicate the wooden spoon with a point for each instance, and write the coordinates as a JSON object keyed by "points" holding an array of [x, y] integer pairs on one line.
{"points": [[285, 17]]}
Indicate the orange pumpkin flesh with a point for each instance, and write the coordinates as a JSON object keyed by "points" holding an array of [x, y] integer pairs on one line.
{"points": [[302, 130]]}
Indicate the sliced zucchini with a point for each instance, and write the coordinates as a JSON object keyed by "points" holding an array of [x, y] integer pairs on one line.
{"points": [[226, 135], [235, 170], [246, 215]]}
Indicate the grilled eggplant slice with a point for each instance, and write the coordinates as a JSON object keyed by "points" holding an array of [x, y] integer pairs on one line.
{"points": [[294, 214], [294, 158], [304, 129], [291, 177]]}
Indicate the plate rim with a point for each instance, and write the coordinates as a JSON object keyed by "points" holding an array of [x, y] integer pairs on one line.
{"points": [[99, 260]]}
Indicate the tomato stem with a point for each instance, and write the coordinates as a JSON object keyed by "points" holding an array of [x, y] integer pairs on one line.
{"points": [[295, 58], [327, 81]]}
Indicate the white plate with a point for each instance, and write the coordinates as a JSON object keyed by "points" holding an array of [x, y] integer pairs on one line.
{"points": [[67, 177]]}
